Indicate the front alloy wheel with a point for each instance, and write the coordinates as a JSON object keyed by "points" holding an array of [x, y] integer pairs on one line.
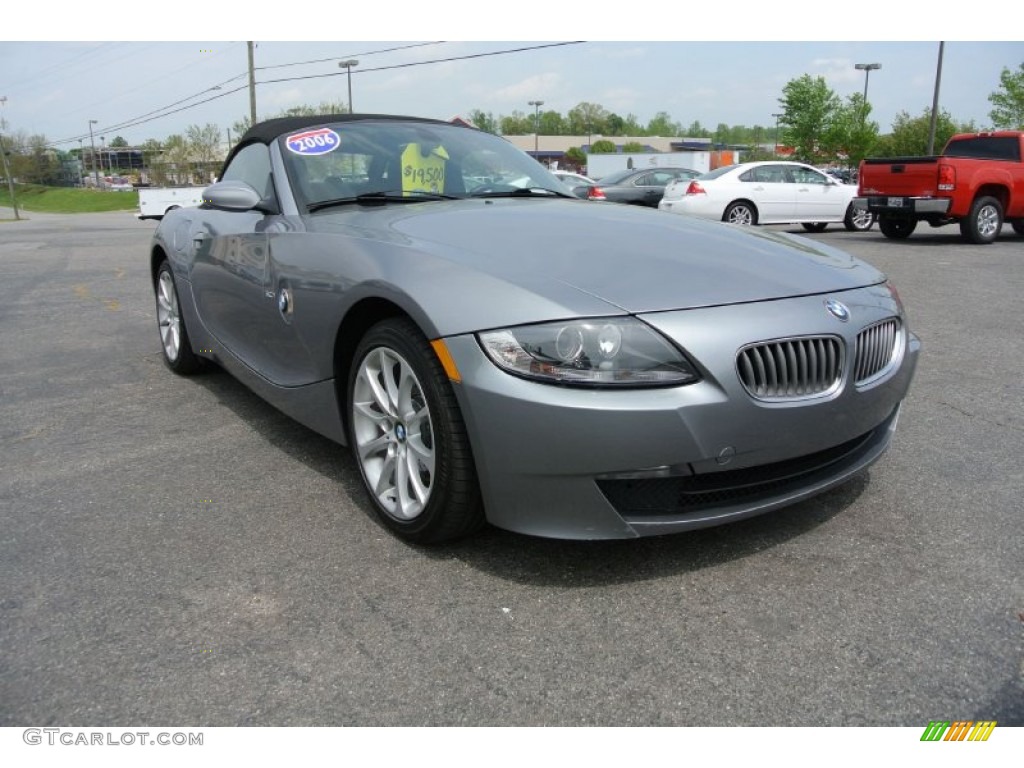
{"points": [[409, 438], [177, 351], [394, 433]]}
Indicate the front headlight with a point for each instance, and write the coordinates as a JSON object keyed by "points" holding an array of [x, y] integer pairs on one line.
{"points": [[597, 352]]}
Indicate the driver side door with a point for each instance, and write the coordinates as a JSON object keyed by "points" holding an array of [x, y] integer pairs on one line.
{"points": [[229, 272]]}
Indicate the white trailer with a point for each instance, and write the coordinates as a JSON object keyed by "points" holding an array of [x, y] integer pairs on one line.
{"points": [[154, 202]]}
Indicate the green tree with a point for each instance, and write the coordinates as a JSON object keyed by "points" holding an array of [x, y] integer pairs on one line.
{"points": [[118, 141], [614, 125], [662, 124], [587, 118], [808, 106], [851, 136], [631, 126], [35, 162], [633, 147], [175, 160], [552, 123], [483, 120], [603, 147], [909, 135], [1008, 100], [516, 124], [240, 126], [576, 156], [204, 143], [697, 131]]}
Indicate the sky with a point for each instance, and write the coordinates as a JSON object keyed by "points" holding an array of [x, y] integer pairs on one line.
{"points": [[57, 79]]}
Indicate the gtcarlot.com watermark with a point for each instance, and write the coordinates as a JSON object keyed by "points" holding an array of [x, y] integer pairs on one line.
{"points": [[71, 737]]}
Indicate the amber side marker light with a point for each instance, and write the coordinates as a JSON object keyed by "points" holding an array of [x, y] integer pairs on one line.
{"points": [[441, 350]]}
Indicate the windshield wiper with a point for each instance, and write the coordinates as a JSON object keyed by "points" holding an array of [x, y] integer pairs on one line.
{"points": [[523, 192], [380, 198]]}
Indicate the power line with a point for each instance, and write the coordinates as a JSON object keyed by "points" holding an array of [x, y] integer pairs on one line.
{"points": [[166, 111], [364, 70], [350, 55]]}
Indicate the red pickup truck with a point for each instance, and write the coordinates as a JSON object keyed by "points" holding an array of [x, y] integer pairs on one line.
{"points": [[978, 180]]}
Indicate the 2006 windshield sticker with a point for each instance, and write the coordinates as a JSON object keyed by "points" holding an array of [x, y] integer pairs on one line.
{"points": [[316, 142]]}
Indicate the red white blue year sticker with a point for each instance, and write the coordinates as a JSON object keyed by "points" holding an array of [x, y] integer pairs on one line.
{"points": [[319, 141]]}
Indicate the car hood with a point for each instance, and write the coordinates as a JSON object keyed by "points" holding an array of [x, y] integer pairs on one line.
{"points": [[609, 257]]}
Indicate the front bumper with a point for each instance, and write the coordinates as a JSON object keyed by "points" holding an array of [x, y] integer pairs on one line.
{"points": [[915, 207], [598, 464]]}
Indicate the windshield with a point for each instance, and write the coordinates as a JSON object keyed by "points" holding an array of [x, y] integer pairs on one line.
{"points": [[366, 160]]}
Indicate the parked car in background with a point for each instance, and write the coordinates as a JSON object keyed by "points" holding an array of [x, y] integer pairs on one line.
{"points": [[660, 374], [581, 186], [769, 193], [641, 187], [977, 181], [844, 175]]}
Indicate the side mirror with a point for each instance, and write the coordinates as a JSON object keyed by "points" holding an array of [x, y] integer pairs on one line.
{"points": [[232, 196]]}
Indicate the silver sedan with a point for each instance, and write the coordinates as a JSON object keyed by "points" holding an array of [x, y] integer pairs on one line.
{"points": [[509, 354]]}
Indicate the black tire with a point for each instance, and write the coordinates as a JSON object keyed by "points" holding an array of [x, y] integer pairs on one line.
{"points": [[740, 212], [175, 346], [1018, 227], [858, 219], [417, 468], [897, 228], [817, 226], [984, 221]]}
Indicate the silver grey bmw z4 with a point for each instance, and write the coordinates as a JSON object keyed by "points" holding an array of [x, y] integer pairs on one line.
{"points": [[496, 350]]}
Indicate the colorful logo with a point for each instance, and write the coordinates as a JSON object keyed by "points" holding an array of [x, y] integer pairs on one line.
{"points": [[316, 142], [959, 730]]}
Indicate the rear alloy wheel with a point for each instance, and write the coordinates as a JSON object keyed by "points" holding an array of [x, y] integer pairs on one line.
{"points": [[741, 212], [858, 219], [174, 342], [409, 438], [897, 229], [984, 221], [817, 226]]}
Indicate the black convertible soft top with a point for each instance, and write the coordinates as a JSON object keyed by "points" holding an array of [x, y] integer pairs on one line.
{"points": [[266, 131]]}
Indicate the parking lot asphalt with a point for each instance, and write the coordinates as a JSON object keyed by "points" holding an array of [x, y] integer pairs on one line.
{"points": [[176, 551]]}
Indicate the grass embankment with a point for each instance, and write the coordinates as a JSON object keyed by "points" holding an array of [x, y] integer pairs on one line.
{"points": [[34, 197]]}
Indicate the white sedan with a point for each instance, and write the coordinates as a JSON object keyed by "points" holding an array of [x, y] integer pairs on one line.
{"points": [[768, 193]]}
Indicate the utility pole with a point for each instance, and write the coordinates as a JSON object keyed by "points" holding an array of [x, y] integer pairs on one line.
{"points": [[935, 100], [252, 84], [7, 170]]}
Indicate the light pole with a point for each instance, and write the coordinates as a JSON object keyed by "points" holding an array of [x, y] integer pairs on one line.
{"points": [[348, 64], [536, 124], [777, 115], [867, 73], [103, 155], [92, 155]]}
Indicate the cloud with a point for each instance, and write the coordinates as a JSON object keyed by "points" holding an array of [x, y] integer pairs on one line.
{"points": [[545, 84], [620, 100], [836, 70]]}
